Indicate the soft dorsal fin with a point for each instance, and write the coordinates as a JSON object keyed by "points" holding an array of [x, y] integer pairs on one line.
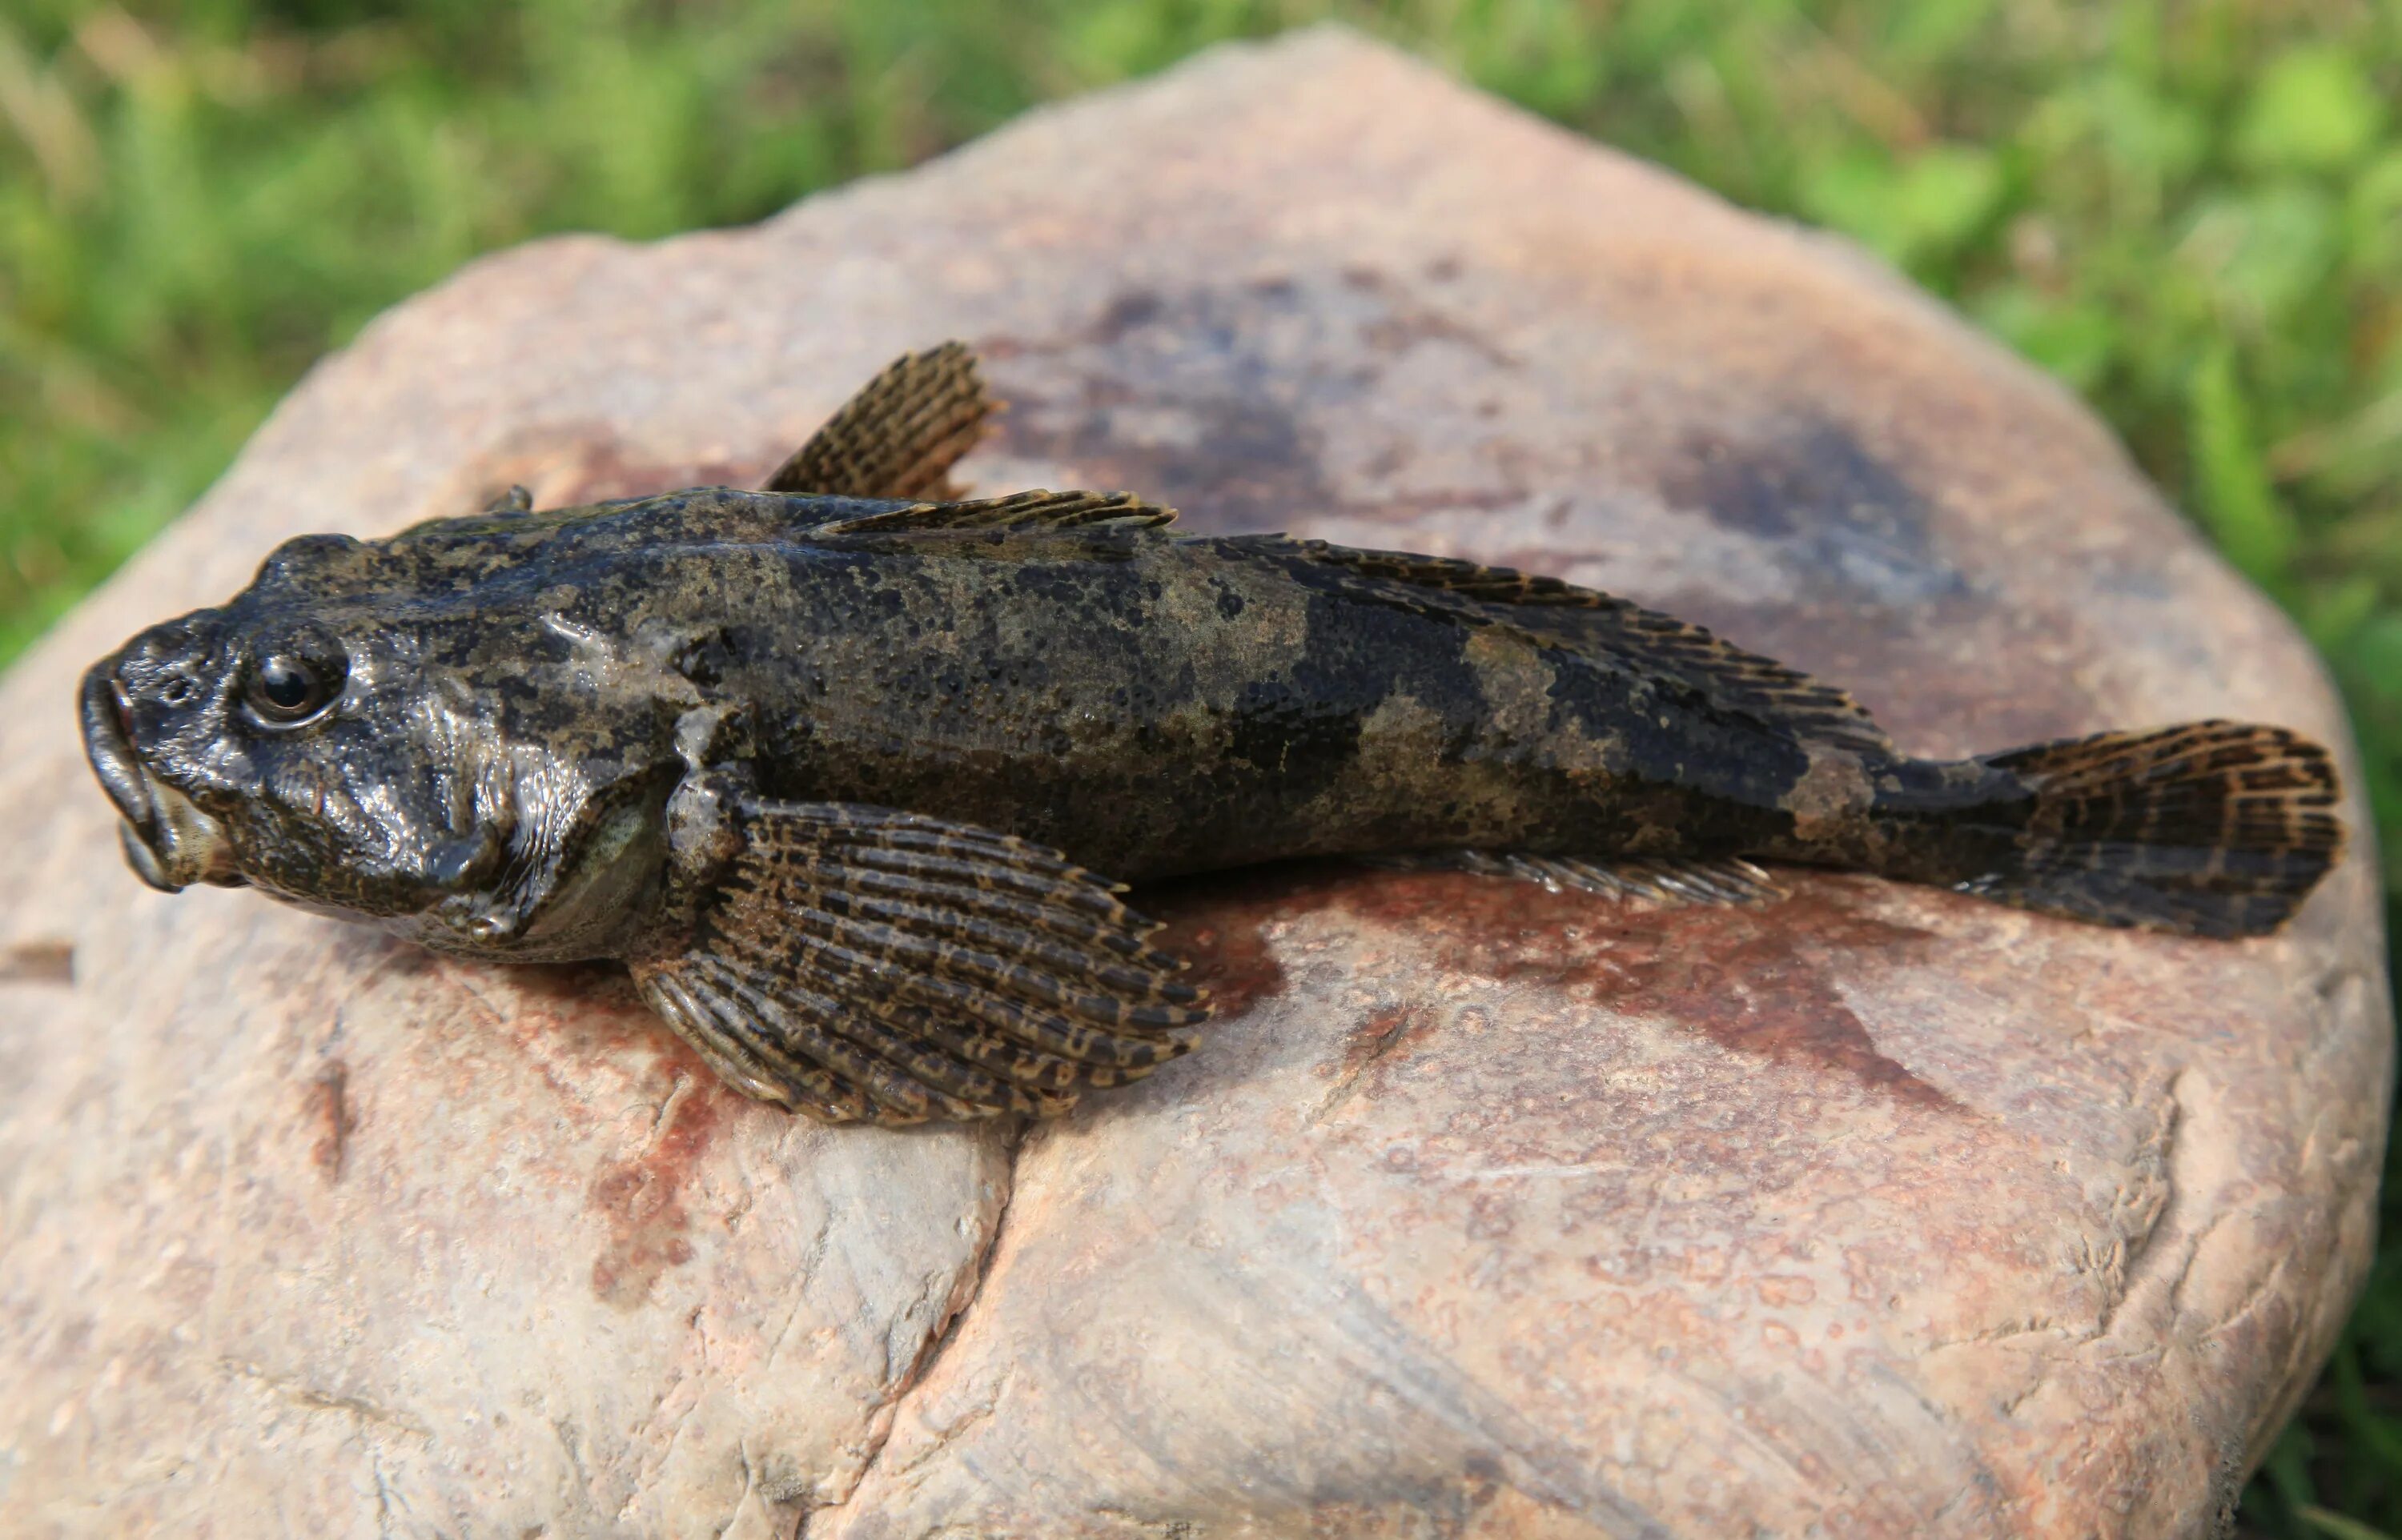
{"points": [[1569, 615], [900, 435], [1026, 510]]}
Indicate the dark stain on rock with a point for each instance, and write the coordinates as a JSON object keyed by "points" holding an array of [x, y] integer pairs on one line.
{"points": [[46, 960], [640, 1199], [1758, 980], [1218, 926], [1202, 398], [1133, 309], [1852, 521], [1382, 1037], [1406, 323], [574, 983], [1244, 465], [331, 1114]]}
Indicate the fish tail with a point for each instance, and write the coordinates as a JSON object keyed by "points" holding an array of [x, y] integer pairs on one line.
{"points": [[2210, 829]]}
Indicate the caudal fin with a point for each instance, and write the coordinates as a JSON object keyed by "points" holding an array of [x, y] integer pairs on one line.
{"points": [[2212, 829]]}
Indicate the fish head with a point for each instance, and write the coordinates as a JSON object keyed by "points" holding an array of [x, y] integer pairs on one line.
{"points": [[398, 732]]}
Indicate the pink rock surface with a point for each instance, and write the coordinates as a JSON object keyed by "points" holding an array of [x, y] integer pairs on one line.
{"points": [[1484, 1211]]}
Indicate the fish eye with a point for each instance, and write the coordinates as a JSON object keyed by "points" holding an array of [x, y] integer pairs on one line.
{"points": [[286, 690]]}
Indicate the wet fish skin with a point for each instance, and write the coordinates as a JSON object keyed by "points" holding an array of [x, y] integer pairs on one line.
{"points": [[837, 774]]}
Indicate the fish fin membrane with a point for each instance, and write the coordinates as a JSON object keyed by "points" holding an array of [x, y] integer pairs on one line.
{"points": [[1019, 513], [1723, 881], [1563, 614], [863, 965], [2211, 828], [900, 435]]}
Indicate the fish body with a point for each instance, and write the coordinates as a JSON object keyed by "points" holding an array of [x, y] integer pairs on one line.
{"points": [[839, 774]]}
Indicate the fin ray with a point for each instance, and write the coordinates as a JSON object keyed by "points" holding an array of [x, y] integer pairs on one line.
{"points": [[1725, 880], [900, 435], [864, 964], [1020, 513], [2212, 829], [1564, 614]]}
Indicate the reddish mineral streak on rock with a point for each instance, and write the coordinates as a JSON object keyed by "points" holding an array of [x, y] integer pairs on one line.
{"points": [[1219, 924], [1383, 1036], [1756, 980], [641, 1201], [573, 1019], [1753, 980], [330, 1110]]}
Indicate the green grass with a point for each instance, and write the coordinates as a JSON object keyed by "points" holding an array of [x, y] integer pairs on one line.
{"points": [[2191, 212]]}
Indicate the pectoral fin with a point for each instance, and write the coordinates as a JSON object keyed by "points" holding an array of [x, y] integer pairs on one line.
{"points": [[900, 435], [861, 964]]}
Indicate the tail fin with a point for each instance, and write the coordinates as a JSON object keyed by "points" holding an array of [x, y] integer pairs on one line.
{"points": [[2212, 829]]}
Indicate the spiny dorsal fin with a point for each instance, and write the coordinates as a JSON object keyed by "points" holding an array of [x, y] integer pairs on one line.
{"points": [[864, 964], [1571, 616], [1021, 511], [900, 435]]}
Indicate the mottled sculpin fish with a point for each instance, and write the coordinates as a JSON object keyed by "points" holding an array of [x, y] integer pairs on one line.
{"points": [[850, 771]]}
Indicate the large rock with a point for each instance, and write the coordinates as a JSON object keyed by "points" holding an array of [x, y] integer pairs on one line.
{"points": [[1484, 1211]]}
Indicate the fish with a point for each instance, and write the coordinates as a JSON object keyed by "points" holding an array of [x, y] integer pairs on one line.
{"points": [[853, 772]]}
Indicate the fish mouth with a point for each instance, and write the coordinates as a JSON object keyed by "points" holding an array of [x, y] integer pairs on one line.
{"points": [[169, 841]]}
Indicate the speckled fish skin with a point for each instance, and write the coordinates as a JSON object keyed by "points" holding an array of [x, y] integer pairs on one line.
{"points": [[561, 736]]}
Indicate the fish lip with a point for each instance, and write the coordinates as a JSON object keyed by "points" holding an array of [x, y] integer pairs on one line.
{"points": [[168, 840], [144, 860], [108, 745]]}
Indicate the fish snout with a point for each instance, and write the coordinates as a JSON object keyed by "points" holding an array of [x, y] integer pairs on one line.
{"points": [[169, 841]]}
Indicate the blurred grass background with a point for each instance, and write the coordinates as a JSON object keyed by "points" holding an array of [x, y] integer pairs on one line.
{"points": [[2190, 211]]}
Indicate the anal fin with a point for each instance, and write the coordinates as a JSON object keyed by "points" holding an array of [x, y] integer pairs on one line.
{"points": [[861, 964], [1723, 880]]}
